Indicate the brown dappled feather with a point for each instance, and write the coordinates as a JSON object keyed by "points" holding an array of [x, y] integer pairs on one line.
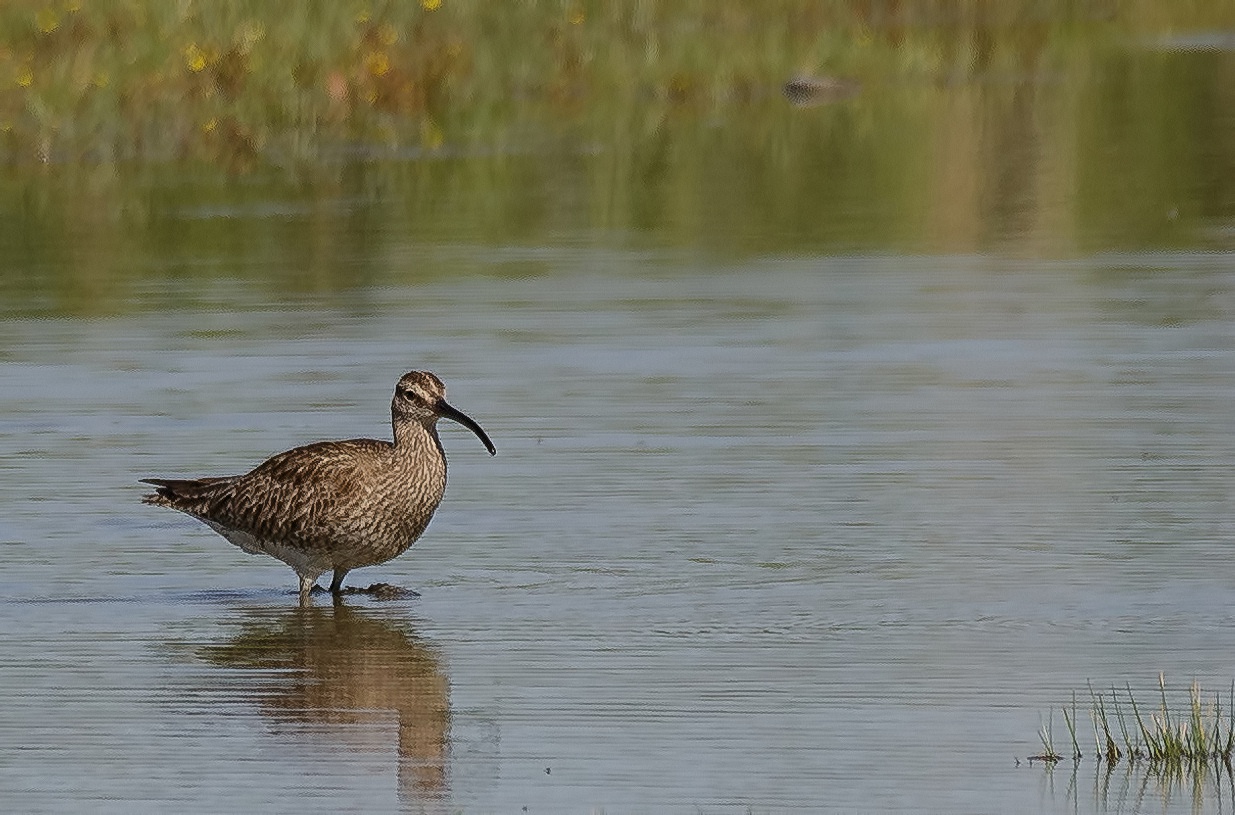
{"points": [[337, 504]]}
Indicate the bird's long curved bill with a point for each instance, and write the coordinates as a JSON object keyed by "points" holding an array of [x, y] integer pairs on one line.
{"points": [[462, 418]]}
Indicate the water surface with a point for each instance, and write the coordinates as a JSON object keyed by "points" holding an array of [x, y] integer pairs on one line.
{"points": [[824, 533], [836, 446]]}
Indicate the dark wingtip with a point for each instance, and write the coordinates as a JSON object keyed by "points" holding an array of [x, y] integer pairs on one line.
{"points": [[170, 490], [158, 497]]}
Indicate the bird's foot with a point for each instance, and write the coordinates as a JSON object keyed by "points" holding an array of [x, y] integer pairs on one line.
{"points": [[382, 591]]}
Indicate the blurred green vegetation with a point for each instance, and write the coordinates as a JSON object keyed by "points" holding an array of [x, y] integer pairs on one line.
{"points": [[235, 79], [146, 138]]}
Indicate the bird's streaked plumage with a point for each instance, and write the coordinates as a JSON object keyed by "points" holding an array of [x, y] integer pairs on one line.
{"points": [[334, 505]]}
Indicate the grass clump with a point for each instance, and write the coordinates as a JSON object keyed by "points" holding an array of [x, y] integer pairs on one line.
{"points": [[1188, 738], [1045, 735]]}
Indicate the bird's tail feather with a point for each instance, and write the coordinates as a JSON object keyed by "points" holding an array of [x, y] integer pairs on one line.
{"points": [[177, 491]]}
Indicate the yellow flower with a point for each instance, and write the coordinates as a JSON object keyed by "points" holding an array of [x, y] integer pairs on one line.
{"points": [[47, 19], [377, 63], [431, 5], [575, 16], [194, 57], [25, 77]]}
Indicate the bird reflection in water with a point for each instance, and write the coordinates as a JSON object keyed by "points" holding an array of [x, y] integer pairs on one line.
{"points": [[340, 667]]}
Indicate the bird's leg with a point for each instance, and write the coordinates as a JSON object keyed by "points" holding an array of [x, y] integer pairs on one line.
{"points": [[336, 585], [306, 587]]}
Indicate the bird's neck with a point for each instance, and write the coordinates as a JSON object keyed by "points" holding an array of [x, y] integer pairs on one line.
{"points": [[412, 438]]}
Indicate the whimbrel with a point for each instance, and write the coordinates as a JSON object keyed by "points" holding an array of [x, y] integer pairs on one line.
{"points": [[335, 504]]}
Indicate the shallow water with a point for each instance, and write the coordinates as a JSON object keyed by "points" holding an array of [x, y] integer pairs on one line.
{"points": [[816, 533], [837, 445]]}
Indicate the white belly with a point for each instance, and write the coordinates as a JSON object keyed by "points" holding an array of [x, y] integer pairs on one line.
{"points": [[306, 564]]}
